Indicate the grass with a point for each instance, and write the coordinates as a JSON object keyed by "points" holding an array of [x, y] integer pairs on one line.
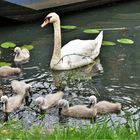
{"points": [[13, 130]]}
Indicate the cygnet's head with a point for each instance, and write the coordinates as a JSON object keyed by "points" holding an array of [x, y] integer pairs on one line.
{"points": [[63, 103], [17, 70], [4, 99], [28, 89], [92, 99], [17, 50], [50, 18], [39, 101]]}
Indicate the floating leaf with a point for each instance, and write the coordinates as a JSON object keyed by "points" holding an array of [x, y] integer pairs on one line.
{"points": [[8, 45], [69, 27], [28, 47], [108, 43], [91, 31], [4, 64], [125, 41]]}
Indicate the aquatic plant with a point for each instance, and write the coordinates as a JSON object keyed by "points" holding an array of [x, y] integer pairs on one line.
{"points": [[125, 41], [69, 27], [8, 45], [108, 43], [91, 31], [28, 47], [4, 64]]}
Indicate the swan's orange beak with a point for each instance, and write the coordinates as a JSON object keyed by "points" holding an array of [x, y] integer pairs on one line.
{"points": [[45, 23]]}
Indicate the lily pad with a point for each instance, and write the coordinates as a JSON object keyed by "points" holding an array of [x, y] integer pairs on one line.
{"points": [[28, 47], [69, 27], [8, 45], [108, 43], [4, 64], [91, 31], [125, 41]]}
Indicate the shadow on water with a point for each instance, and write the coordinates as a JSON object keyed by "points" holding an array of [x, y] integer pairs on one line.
{"points": [[115, 76]]}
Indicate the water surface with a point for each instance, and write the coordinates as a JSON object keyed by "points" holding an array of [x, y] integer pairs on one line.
{"points": [[115, 77]]}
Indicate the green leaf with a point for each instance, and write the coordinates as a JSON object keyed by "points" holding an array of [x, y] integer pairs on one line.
{"points": [[91, 31], [4, 64], [8, 45], [28, 47], [125, 41], [108, 43], [69, 27]]}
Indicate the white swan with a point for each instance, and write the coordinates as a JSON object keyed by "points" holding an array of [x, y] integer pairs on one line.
{"points": [[104, 106], [21, 55], [74, 54]]}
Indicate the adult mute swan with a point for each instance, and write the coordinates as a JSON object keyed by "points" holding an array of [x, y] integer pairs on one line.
{"points": [[76, 53], [104, 106]]}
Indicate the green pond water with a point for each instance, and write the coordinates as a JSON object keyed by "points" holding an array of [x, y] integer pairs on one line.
{"points": [[116, 76]]}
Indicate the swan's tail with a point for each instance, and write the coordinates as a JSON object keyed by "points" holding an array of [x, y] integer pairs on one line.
{"points": [[99, 38]]}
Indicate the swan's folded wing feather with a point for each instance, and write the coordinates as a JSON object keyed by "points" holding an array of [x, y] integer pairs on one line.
{"points": [[82, 47]]}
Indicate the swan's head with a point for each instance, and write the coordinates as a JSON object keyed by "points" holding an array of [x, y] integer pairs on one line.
{"points": [[4, 99], [39, 101], [63, 103], [17, 50], [50, 18], [92, 99]]}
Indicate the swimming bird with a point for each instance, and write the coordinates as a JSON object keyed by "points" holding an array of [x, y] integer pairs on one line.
{"points": [[104, 106], [9, 71], [77, 111], [12, 104], [21, 55], [20, 87], [49, 101], [74, 54]]}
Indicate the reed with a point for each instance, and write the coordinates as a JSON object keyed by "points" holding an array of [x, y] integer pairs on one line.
{"points": [[13, 130]]}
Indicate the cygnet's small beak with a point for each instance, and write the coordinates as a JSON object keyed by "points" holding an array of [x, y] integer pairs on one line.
{"points": [[45, 23]]}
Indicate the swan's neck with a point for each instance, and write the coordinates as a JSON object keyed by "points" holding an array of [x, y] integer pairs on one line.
{"points": [[57, 42]]}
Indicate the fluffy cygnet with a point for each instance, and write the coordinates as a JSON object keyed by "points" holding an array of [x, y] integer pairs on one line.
{"points": [[20, 87], [13, 103], [77, 111], [104, 106], [49, 101], [9, 71], [21, 54]]}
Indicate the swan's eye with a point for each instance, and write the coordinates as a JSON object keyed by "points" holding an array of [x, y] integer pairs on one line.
{"points": [[49, 17]]}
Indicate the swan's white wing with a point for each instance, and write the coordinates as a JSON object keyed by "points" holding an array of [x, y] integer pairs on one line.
{"points": [[78, 53], [82, 47]]}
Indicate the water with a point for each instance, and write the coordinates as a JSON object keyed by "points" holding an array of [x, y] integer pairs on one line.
{"points": [[119, 81]]}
